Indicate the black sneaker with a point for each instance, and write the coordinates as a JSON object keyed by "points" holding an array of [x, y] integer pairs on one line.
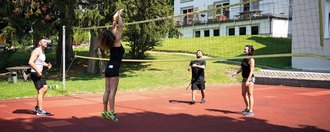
{"points": [[36, 108], [245, 110], [202, 101], [192, 102], [43, 113]]}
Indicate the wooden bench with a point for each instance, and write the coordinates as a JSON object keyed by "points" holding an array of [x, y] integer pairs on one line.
{"points": [[5, 75]]}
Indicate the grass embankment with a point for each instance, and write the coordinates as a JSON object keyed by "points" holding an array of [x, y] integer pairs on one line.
{"points": [[155, 75]]}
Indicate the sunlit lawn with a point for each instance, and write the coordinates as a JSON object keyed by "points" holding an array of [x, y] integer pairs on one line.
{"points": [[147, 76]]}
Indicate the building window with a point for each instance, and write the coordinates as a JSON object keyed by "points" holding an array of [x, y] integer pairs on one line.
{"points": [[246, 7], [183, 1], [251, 6], [254, 30], [255, 5], [223, 11], [216, 32], [329, 23], [187, 20], [197, 34], [231, 31], [242, 31], [206, 33]]}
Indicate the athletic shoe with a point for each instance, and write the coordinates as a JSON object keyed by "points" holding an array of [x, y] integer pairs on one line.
{"points": [[113, 116], [202, 101], [106, 115], [192, 102], [42, 113], [248, 113], [36, 108], [245, 110]]}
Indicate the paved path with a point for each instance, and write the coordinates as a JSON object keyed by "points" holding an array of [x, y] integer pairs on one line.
{"points": [[277, 108], [293, 78], [294, 74]]}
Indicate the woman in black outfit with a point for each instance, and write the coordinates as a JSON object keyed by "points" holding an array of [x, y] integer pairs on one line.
{"points": [[247, 69], [111, 40]]}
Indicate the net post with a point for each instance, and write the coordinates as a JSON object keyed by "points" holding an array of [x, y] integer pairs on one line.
{"points": [[321, 22], [63, 59]]}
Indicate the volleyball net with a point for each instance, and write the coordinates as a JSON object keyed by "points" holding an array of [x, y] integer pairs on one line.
{"points": [[221, 31]]}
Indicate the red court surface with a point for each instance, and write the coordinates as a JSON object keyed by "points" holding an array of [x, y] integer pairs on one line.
{"points": [[277, 108]]}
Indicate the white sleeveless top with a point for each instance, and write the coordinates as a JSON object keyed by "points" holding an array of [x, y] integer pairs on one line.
{"points": [[39, 61]]}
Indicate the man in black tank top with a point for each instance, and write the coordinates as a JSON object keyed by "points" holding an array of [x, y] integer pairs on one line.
{"points": [[197, 76]]}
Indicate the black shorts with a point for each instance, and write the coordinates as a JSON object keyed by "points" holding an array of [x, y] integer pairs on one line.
{"points": [[39, 82], [112, 70], [197, 86]]}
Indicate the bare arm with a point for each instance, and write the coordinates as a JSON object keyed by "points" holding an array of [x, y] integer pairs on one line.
{"points": [[33, 58], [239, 70], [251, 62], [47, 65], [117, 27], [189, 68], [199, 66]]}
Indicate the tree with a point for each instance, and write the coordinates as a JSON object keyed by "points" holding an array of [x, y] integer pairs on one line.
{"points": [[65, 12], [143, 37], [94, 13], [18, 18], [45, 17]]}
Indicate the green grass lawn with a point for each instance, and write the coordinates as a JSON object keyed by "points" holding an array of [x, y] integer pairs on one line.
{"points": [[147, 76], [232, 46], [155, 75]]}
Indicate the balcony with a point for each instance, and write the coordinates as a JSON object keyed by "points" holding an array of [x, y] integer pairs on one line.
{"points": [[236, 13]]}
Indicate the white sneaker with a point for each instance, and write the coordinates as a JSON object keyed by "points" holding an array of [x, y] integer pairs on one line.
{"points": [[42, 113]]}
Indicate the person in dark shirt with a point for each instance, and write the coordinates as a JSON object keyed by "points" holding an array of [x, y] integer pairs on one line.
{"points": [[111, 40], [247, 69], [197, 76]]}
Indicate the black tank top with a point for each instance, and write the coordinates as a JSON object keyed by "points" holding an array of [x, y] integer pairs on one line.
{"points": [[116, 54], [245, 68]]}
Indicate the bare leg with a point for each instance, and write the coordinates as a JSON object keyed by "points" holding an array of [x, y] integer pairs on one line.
{"points": [[40, 96], [245, 97], [193, 94], [250, 96], [106, 94], [113, 90], [203, 94]]}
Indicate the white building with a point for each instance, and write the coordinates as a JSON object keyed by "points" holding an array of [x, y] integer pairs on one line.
{"points": [[308, 37], [266, 17]]}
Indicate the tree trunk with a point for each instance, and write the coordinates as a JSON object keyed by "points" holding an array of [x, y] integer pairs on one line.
{"points": [[92, 64], [68, 46], [66, 20]]}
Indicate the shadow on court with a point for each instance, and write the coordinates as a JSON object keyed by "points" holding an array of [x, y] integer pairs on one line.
{"points": [[225, 111], [179, 101], [24, 111], [148, 121], [278, 108]]}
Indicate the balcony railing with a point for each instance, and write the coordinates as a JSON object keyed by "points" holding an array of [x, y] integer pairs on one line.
{"points": [[236, 13]]}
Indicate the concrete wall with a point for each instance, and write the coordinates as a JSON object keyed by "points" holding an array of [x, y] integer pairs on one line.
{"points": [[280, 28], [264, 28], [275, 28], [306, 36]]}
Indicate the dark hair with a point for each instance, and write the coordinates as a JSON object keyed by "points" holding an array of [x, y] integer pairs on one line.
{"points": [[107, 40], [199, 50], [251, 49]]}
